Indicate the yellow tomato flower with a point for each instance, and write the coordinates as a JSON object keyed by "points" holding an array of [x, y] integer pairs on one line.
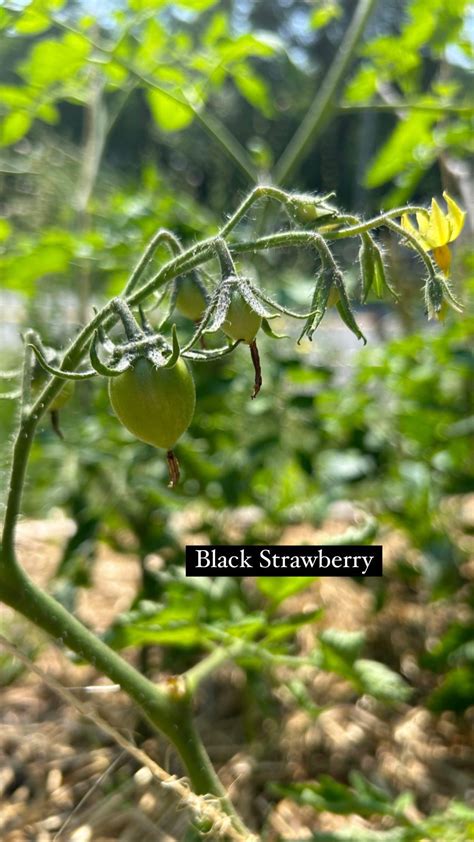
{"points": [[436, 229]]}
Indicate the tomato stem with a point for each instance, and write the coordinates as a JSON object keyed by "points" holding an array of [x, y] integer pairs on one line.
{"points": [[173, 468], [258, 369]]}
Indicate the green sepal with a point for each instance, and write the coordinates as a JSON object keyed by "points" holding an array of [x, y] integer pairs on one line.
{"points": [[449, 294], [345, 309], [97, 364], [216, 354], [433, 297], [175, 349], [367, 266], [59, 372], [381, 282], [266, 327], [319, 303]]}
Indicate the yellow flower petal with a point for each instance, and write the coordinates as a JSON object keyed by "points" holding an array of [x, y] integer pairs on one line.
{"points": [[439, 229], [456, 216], [410, 229], [442, 255], [423, 220]]}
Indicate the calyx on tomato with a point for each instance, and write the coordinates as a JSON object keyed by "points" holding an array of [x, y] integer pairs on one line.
{"points": [[238, 311], [151, 388], [311, 210]]}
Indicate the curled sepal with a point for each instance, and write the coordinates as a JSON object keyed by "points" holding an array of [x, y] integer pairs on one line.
{"points": [[59, 372], [367, 267], [372, 270], [381, 282], [104, 339], [216, 313], [345, 309], [433, 298], [216, 354], [219, 304], [279, 307], [319, 303], [101, 367], [249, 294], [267, 328], [175, 349], [449, 294]]}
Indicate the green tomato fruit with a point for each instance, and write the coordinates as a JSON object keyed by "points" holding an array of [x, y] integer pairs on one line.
{"points": [[155, 404], [242, 323], [190, 299]]}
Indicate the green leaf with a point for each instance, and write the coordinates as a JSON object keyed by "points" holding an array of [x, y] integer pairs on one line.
{"points": [[13, 127], [276, 589], [326, 12], [381, 682], [410, 140], [32, 23], [5, 230], [455, 692], [287, 626], [262, 44], [363, 86], [347, 644], [55, 60], [254, 89], [169, 114]]}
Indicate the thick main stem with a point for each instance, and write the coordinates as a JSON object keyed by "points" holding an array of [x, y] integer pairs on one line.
{"points": [[169, 713]]}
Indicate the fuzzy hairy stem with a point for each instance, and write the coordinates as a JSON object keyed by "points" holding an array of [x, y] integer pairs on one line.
{"points": [[168, 711]]}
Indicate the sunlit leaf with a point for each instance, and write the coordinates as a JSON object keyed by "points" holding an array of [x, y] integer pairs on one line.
{"points": [[169, 114]]}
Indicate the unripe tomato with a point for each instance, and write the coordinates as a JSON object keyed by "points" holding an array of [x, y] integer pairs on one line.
{"points": [[242, 323], [190, 299], [155, 404]]}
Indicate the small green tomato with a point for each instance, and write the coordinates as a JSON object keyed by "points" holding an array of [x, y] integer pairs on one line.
{"points": [[242, 323], [190, 299], [155, 404]]}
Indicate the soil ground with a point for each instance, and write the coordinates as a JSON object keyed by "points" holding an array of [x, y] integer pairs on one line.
{"points": [[56, 767]]}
